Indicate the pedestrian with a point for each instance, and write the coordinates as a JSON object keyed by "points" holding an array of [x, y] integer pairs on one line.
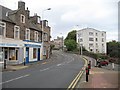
{"points": [[113, 66], [86, 74]]}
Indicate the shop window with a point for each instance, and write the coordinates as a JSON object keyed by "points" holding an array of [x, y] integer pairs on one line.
{"points": [[34, 53], [2, 28], [27, 34], [12, 54], [16, 32]]}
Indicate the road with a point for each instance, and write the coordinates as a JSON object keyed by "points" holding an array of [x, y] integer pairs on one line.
{"points": [[56, 72]]}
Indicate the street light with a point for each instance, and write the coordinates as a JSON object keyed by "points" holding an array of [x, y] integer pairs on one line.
{"points": [[42, 17]]}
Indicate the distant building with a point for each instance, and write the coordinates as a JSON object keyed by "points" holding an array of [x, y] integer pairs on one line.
{"points": [[92, 39], [59, 42]]}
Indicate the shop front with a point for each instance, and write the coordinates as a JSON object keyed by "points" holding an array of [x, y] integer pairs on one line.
{"points": [[31, 52], [12, 53]]}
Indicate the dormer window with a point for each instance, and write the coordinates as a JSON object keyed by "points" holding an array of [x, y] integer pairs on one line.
{"points": [[22, 18], [2, 29]]}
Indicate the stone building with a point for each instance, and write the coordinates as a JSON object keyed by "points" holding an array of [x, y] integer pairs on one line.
{"points": [[21, 35]]}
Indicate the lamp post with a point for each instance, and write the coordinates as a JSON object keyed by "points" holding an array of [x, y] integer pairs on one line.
{"points": [[81, 49], [62, 42], [42, 17]]}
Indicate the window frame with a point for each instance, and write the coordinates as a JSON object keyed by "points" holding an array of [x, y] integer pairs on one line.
{"points": [[27, 38], [36, 36], [4, 33], [15, 32], [22, 21]]}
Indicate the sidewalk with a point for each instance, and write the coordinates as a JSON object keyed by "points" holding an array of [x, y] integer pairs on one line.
{"points": [[21, 66], [100, 78]]}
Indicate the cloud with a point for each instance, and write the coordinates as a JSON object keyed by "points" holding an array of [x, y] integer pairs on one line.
{"points": [[65, 14]]}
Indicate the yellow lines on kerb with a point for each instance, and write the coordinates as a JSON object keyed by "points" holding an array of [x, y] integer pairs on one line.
{"points": [[77, 78]]}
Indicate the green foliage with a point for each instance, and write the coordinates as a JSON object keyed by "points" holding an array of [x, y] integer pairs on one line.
{"points": [[70, 44], [71, 35], [70, 41], [113, 49]]}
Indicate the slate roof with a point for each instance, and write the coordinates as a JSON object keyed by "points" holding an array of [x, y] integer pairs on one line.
{"points": [[4, 11]]}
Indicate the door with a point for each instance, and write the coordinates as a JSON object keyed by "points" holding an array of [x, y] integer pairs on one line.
{"points": [[16, 54], [27, 55], [38, 54], [5, 54]]}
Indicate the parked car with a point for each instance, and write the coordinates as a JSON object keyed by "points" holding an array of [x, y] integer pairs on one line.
{"points": [[103, 63]]}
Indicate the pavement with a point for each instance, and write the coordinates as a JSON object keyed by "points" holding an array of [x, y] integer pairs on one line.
{"points": [[103, 77], [16, 67]]}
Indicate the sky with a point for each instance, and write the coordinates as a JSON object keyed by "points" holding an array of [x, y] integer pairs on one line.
{"points": [[67, 15]]}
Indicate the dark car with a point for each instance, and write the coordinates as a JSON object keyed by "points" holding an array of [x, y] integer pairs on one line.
{"points": [[103, 63]]}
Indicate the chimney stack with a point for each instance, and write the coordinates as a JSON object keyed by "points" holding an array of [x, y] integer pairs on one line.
{"points": [[21, 5]]}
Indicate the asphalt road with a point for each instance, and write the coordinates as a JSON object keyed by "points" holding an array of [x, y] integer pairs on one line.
{"points": [[56, 72]]}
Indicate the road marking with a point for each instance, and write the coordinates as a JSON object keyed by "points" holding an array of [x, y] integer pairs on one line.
{"points": [[59, 64], [44, 69], [77, 78], [15, 79]]}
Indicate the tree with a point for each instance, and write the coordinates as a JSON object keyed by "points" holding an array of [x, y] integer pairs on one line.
{"points": [[70, 44], [113, 48], [70, 41], [71, 35]]}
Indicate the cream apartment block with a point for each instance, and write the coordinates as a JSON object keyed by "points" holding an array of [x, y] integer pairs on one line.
{"points": [[92, 39]]}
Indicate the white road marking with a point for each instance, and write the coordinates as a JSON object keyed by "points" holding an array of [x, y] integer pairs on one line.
{"points": [[15, 79], [44, 69], [59, 64]]}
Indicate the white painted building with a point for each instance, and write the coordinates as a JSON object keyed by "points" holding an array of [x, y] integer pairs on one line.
{"points": [[92, 39]]}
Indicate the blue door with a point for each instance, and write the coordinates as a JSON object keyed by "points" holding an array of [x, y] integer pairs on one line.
{"points": [[38, 54], [27, 55]]}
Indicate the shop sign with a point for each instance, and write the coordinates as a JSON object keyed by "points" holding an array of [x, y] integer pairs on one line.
{"points": [[7, 45], [32, 45]]}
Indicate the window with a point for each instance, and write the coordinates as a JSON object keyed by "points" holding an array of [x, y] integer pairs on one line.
{"points": [[96, 34], [96, 39], [102, 34], [34, 53], [45, 37], [39, 38], [16, 32], [91, 39], [91, 33], [2, 28], [102, 45], [36, 36], [27, 34], [81, 39], [22, 18], [102, 39], [96, 45], [90, 45]]}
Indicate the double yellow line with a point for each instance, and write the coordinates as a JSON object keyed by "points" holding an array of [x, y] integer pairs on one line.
{"points": [[77, 78]]}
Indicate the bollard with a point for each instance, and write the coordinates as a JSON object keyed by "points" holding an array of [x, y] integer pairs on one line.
{"points": [[24, 61], [88, 69], [90, 64], [86, 74], [5, 64]]}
